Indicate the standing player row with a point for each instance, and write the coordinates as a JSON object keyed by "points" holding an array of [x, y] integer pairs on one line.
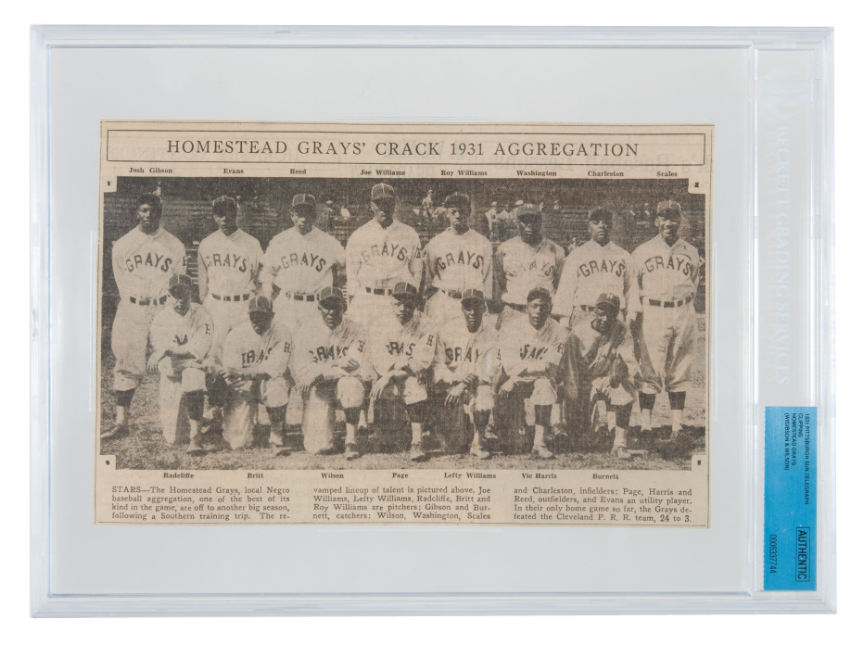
{"points": [[656, 286]]}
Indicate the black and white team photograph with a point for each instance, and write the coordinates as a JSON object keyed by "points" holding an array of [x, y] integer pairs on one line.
{"points": [[309, 323]]}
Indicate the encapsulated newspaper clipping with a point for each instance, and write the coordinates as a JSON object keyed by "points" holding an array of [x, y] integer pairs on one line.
{"points": [[404, 324]]}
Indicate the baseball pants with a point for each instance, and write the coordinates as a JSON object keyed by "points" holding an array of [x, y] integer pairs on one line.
{"points": [[319, 417], [129, 338], [225, 314], [665, 348], [173, 385], [442, 308], [291, 313], [242, 404]]}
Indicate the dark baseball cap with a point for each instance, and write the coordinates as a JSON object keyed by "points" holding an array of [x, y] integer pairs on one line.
{"points": [[260, 304], [457, 200], [405, 291], [383, 191], [601, 212], [668, 208], [302, 199], [152, 199], [223, 205], [539, 292], [528, 211], [609, 300], [330, 294], [473, 295], [179, 281]]}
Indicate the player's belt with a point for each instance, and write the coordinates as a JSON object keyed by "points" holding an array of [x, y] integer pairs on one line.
{"points": [[380, 292], [586, 307], [244, 296], [300, 295], [453, 293], [669, 303], [148, 301]]}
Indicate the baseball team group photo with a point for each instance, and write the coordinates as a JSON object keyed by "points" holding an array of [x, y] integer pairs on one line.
{"points": [[392, 322]]}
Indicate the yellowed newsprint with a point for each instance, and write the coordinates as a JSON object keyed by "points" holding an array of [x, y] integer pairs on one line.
{"points": [[403, 324]]}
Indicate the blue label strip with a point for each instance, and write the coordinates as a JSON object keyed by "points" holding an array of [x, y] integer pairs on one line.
{"points": [[790, 499]]}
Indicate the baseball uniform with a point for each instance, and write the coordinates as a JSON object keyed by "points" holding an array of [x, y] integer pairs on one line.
{"points": [[300, 266], [453, 263], [228, 267], [377, 259], [461, 353], [521, 267], [533, 355], [318, 351], [591, 269], [193, 334], [394, 346], [249, 353], [143, 265], [599, 352], [665, 279]]}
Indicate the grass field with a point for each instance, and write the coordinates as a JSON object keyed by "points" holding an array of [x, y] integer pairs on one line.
{"points": [[145, 448]]}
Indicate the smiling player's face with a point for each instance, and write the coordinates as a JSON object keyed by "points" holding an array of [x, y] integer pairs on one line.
{"points": [[668, 225], [538, 312]]}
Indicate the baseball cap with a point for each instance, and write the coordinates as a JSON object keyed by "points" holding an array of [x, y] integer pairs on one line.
{"points": [[601, 212], [457, 200], [608, 300], [150, 198], [472, 295], [383, 191], [527, 211], [260, 304], [179, 281], [404, 290], [668, 207], [303, 199], [330, 294], [224, 204], [539, 292]]}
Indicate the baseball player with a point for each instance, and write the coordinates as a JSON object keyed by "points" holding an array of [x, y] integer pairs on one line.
{"points": [[606, 348], [229, 260], [454, 261], [531, 351], [380, 254], [666, 273], [466, 364], [299, 262], [401, 350], [143, 261], [597, 266], [253, 367], [181, 337], [329, 359], [524, 262]]}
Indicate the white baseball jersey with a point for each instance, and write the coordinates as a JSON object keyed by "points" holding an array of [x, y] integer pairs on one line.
{"points": [[664, 273], [192, 333], [526, 351], [143, 264], [302, 263], [317, 347], [455, 262], [461, 352], [598, 349], [392, 345], [378, 258], [228, 265], [592, 269], [246, 351], [522, 267]]}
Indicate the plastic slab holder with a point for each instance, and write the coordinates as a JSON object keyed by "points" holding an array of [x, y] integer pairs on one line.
{"points": [[764, 96]]}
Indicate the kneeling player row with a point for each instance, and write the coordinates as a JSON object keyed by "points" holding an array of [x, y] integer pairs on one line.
{"points": [[469, 368]]}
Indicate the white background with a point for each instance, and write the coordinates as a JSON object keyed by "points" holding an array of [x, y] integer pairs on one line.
{"points": [[14, 576]]}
